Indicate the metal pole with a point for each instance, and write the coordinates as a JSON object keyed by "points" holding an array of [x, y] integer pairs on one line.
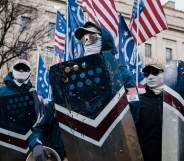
{"points": [[67, 54], [137, 43]]}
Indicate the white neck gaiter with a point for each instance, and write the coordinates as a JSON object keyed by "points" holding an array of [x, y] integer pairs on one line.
{"points": [[93, 48], [19, 84], [155, 83]]}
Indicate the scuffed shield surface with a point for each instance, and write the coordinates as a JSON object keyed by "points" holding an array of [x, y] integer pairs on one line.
{"points": [[18, 113], [173, 113], [92, 109]]}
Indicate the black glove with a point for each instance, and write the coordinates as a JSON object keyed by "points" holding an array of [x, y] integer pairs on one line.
{"points": [[39, 153]]}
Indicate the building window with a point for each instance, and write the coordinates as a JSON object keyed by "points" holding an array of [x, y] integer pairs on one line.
{"points": [[148, 50], [25, 23], [168, 54], [22, 49], [51, 32], [50, 54]]}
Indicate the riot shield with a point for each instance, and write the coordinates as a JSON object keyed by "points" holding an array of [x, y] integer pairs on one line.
{"points": [[18, 113], [93, 111], [173, 112]]}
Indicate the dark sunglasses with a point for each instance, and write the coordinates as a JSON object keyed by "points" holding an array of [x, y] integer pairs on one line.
{"points": [[22, 67], [91, 38], [153, 72]]}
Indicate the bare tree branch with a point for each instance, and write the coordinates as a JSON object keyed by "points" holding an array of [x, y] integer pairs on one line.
{"points": [[20, 22]]}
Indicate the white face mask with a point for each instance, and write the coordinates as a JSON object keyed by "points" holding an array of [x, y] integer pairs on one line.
{"points": [[92, 48], [21, 77], [155, 81]]}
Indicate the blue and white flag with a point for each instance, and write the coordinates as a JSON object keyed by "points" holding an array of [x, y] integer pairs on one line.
{"points": [[42, 82], [128, 51], [75, 20], [60, 33]]}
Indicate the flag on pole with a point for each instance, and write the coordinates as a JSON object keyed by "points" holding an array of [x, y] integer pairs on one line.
{"points": [[42, 79], [60, 33], [75, 19], [128, 53], [103, 13], [151, 19]]}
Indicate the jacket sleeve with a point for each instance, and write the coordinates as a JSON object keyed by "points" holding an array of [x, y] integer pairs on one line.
{"points": [[129, 82], [47, 132]]}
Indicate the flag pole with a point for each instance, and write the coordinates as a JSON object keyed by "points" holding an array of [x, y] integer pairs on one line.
{"points": [[38, 56], [67, 54], [137, 43]]}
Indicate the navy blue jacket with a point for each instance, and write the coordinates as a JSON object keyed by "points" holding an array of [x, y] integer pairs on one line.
{"points": [[47, 132], [12, 88], [150, 125]]}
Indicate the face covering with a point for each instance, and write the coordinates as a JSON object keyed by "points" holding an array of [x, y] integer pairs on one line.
{"points": [[93, 48], [21, 77], [155, 83]]}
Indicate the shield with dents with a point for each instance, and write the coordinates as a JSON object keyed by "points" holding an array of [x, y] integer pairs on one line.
{"points": [[18, 113], [173, 112], [93, 111]]}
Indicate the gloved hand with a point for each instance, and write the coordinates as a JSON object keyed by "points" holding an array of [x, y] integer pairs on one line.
{"points": [[39, 153]]}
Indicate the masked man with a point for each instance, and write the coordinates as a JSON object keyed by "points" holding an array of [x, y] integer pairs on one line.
{"points": [[16, 82], [95, 40], [151, 107]]}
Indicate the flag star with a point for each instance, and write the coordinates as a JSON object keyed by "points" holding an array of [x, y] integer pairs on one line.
{"points": [[141, 70], [43, 85], [73, 8], [133, 71], [122, 41], [125, 33], [122, 50], [46, 90], [43, 66], [40, 79], [40, 71]]}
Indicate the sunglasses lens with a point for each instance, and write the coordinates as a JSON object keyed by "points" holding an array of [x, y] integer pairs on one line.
{"points": [[154, 72], [22, 67], [89, 39]]}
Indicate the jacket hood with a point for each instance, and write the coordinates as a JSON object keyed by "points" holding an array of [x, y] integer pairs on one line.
{"points": [[107, 39], [9, 82]]}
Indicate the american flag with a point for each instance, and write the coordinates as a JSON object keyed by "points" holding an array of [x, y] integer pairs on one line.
{"points": [[128, 53], [103, 13], [151, 19], [60, 33], [42, 81], [75, 20]]}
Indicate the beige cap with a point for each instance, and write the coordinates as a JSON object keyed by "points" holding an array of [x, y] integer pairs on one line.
{"points": [[22, 61], [152, 66], [53, 155], [81, 31]]}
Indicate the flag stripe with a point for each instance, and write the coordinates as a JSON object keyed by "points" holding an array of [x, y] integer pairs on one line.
{"points": [[60, 33], [104, 13], [151, 19]]}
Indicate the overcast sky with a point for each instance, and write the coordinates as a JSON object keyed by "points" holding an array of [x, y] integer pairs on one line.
{"points": [[179, 4]]}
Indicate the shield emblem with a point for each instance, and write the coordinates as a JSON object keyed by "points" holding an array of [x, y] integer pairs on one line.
{"points": [[90, 103], [173, 112], [18, 114]]}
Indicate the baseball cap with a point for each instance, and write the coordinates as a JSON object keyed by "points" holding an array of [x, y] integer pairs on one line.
{"points": [[22, 64], [153, 66], [81, 31]]}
